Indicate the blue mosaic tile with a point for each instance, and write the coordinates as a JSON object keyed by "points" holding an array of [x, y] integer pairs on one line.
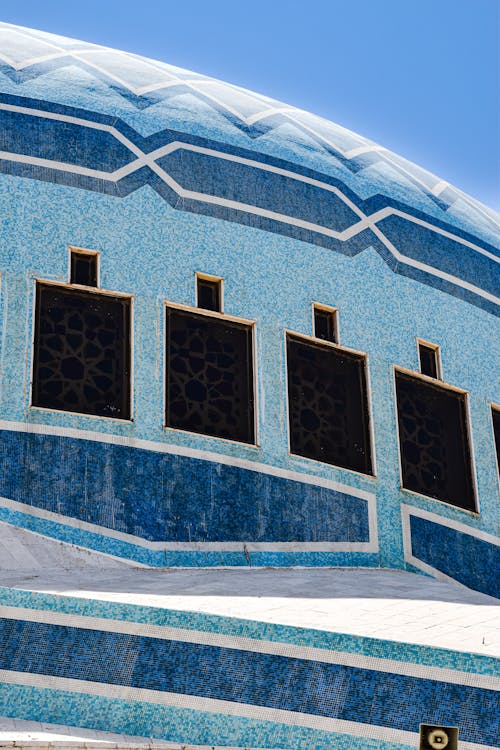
{"points": [[152, 241], [472, 561], [173, 723], [228, 180], [360, 645], [51, 472], [452, 257], [271, 159], [329, 690], [61, 141]]}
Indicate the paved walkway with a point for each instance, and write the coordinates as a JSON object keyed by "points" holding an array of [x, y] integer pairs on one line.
{"points": [[15, 733], [388, 604], [393, 605], [34, 732]]}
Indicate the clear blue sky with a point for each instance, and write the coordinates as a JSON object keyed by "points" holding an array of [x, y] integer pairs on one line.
{"points": [[421, 77]]}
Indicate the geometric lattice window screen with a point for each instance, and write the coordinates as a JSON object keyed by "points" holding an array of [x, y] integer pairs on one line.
{"points": [[328, 404], [82, 352], [434, 441], [209, 376]]}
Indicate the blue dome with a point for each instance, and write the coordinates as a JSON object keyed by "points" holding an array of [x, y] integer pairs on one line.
{"points": [[111, 121]]}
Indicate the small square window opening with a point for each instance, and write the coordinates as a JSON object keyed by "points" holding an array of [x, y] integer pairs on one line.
{"points": [[83, 269], [325, 324], [495, 414], [209, 293], [429, 360]]}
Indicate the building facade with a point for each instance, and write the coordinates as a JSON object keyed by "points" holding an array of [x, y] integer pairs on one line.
{"points": [[171, 178], [234, 333]]}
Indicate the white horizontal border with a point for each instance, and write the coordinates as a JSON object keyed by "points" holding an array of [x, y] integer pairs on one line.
{"points": [[243, 643], [103, 531], [106, 533], [409, 510], [142, 159], [131, 442], [216, 706]]}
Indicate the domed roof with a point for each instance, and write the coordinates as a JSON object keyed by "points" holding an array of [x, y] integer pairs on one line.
{"points": [[111, 121]]}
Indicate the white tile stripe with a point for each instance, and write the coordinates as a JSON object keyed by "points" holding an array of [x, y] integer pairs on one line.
{"points": [[228, 708], [439, 187], [104, 531], [370, 498], [143, 158], [35, 60], [147, 159], [243, 643]]}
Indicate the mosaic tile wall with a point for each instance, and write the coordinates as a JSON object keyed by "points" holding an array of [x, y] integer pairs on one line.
{"points": [[246, 684], [474, 560], [176, 488], [166, 173]]}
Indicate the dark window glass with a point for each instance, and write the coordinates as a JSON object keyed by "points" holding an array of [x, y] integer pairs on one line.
{"points": [[324, 325], [84, 269], [82, 352], [209, 376], [428, 360], [495, 413], [434, 444], [209, 294], [328, 405]]}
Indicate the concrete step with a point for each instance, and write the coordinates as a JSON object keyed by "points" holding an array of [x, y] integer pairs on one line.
{"points": [[22, 550]]}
